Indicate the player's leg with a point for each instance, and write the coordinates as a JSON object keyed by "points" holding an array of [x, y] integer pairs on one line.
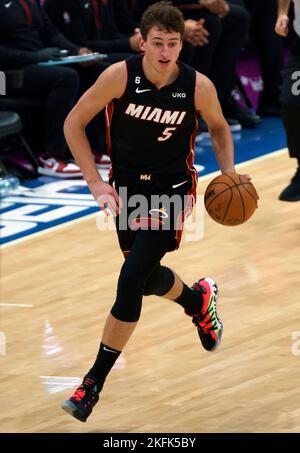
{"points": [[199, 302], [164, 282], [291, 121], [146, 252]]}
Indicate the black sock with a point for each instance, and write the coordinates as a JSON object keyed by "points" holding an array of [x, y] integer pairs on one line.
{"points": [[103, 364], [190, 300]]}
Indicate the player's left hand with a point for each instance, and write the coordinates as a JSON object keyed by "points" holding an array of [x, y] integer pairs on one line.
{"points": [[247, 178], [244, 178]]}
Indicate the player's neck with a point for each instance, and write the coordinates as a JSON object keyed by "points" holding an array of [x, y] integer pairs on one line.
{"points": [[160, 79]]}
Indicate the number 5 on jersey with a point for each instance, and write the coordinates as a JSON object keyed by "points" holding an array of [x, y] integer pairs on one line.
{"points": [[166, 134]]}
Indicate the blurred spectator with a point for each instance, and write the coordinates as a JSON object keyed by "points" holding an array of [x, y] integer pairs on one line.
{"points": [[123, 17], [202, 33], [268, 46], [216, 53], [291, 93], [91, 23], [235, 24], [27, 37]]}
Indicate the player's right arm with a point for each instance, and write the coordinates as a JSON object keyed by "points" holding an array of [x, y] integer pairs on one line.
{"points": [[282, 24], [110, 85]]}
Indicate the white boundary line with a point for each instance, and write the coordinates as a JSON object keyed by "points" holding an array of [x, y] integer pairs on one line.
{"points": [[49, 230], [16, 305], [89, 216]]}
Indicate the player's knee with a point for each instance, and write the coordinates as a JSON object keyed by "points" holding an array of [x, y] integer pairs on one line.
{"points": [[130, 281], [160, 282], [128, 303], [127, 312]]}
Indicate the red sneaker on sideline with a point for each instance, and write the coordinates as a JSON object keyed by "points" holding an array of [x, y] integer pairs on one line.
{"points": [[58, 168]]}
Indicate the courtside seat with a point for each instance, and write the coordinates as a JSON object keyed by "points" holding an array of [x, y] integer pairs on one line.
{"points": [[10, 135], [10, 123]]}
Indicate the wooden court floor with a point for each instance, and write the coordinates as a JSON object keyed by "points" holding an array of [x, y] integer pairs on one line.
{"points": [[164, 381]]}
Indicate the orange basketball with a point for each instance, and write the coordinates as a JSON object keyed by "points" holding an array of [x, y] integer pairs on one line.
{"points": [[230, 201]]}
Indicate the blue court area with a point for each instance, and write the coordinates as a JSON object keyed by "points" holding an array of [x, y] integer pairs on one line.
{"points": [[248, 144], [47, 202]]}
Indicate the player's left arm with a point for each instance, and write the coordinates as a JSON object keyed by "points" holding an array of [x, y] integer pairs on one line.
{"points": [[207, 104]]}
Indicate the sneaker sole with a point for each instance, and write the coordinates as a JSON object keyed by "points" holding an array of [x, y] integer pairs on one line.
{"points": [[214, 348], [44, 171], [292, 199], [71, 409]]}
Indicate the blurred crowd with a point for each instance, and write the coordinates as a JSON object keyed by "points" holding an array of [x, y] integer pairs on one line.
{"points": [[217, 32]]}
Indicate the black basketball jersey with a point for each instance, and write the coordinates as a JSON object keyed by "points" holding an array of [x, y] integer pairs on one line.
{"points": [[153, 130]]}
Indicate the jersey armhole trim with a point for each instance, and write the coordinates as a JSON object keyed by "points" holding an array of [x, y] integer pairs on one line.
{"points": [[126, 85]]}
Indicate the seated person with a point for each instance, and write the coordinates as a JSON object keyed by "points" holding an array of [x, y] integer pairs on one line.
{"points": [[227, 25], [27, 37], [92, 24]]}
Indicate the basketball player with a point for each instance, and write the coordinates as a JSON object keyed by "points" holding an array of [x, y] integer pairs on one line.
{"points": [[151, 103]]}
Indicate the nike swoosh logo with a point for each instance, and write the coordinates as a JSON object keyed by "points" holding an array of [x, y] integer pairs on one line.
{"points": [[141, 91], [109, 350], [7, 5], [180, 184]]}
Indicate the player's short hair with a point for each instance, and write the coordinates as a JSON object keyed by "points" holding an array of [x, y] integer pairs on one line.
{"points": [[164, 16]]}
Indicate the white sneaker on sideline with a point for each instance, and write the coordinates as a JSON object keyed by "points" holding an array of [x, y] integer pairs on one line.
{"points": [[58, 168], [102, 161]]}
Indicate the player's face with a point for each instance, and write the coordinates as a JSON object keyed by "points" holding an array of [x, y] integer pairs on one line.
{"points": [[161, 49]]}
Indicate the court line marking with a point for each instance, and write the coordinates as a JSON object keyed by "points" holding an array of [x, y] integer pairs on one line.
{"points": [[49, 230], [89, 216], [16, 305]]}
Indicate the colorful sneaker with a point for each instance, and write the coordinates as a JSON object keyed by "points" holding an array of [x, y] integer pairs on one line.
{"points": [[81, 403], [208, 323]]}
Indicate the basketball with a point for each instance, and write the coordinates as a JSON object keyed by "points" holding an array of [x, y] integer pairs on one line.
{"points": [[229, 200]]}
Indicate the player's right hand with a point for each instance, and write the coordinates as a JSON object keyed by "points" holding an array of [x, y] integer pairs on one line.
{"points": [[107, 198], [282, 25]]}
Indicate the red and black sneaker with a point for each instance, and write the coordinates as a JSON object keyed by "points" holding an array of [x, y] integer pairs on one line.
{"points": [[81, 403], [208, 323]]}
